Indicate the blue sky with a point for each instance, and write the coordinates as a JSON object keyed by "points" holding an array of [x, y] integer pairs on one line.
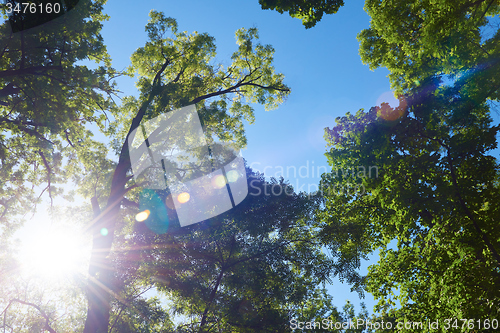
{"points": [[321, 65]]}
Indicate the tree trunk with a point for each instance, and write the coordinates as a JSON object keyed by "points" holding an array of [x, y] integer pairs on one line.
{"points": [[101, 271]]}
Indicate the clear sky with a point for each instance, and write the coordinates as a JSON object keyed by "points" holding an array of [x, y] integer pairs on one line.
{"points": [[321, 65]]}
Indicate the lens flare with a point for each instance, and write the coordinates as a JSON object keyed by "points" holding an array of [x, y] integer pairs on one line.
{"points": [[389, 98], [183, 197], [104, 231], [219, 181], [153, 211], [142, 216], [232, 176]]}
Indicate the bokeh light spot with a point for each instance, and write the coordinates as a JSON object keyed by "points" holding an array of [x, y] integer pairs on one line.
{"points": [[150, 202], [183, 197], [142, 216], [219, 181], [104, 231], [232, 176], [389, 98]]}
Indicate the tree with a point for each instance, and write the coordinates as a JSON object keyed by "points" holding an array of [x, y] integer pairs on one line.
{"points": [[416, 40], [174, 72], [140, 315], [46, 99], [319, 314], [310, 12], [430, 212], [241, 271]]}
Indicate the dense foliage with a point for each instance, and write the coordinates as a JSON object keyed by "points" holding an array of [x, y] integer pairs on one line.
{"points": [[309, 11], [430, 211], [47, 99], [245, 270], [174, 72]]}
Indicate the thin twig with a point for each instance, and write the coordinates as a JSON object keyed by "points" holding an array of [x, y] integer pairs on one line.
{"points": [[49, 171]]}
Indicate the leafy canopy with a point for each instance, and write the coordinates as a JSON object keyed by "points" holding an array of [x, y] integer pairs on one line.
{"points": [[245, 270], [47, 101], [309, 11], [430, 211], [418, 39], [174, 69]]}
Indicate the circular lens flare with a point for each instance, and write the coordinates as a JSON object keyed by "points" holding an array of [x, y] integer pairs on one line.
{"points": [[183, 197], [142, 216], [389, 98], [232, 176], [104, 231], [219, 181], [391, 107]]}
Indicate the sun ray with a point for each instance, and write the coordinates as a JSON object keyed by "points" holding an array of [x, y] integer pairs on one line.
{"points": [[54, 254]]}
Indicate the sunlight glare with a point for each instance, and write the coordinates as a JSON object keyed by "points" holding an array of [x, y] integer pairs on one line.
{"points": [[54, 254]]}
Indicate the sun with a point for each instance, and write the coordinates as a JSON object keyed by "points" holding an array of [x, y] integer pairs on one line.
{"points": [[54, 254]]}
